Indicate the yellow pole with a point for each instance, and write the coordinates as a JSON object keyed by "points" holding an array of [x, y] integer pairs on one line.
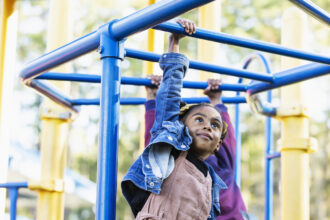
{"points": [[148, 67], [295, 143], [155, 43], [54, 127], [8, 25], [7, 9], [209, 18]]}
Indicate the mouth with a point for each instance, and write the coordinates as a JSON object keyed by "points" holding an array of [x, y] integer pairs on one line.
{"points": [[205, 136]]}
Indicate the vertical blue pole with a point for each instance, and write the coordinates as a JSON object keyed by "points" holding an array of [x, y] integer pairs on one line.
{"points": [[13, 193], [269, 144], [269, 166], [111, 55], [238, 143], [268, 150]]}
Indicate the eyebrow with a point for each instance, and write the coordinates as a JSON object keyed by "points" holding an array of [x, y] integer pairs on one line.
{"points": [[215, 118]]}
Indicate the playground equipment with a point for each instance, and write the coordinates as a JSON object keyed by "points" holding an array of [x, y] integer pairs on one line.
{"points": [[109, 39]]}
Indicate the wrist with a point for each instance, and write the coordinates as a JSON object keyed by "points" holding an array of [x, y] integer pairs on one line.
{"points": [[150, 96], [173, 45], [216, 101]]}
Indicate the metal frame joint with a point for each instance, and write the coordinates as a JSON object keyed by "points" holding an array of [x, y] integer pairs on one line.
{"points": [[51, 185], [306, 144], [50, 113], [296, 110], [109, 46]]}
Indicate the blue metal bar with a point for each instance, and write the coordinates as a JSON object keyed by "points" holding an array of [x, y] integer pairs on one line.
{"points": [[313, 10], [14, 184], [238, 141], [152, 15], [138, 21], [141, 101], [13, 193], [268, 164], [13, 188], [269, 143], [274, 155], [73, 77], [222, 87], [111, 56], [290, 76], [268, 167], [144, 55], [55, 95], [59, 56], [52, 93], [133, 81], [243, 42]]}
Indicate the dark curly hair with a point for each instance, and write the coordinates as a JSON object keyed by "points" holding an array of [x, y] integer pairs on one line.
{"points": [[185, 109]]}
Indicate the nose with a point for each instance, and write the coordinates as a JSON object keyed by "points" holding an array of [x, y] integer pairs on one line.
{"points": [[207, 126]]}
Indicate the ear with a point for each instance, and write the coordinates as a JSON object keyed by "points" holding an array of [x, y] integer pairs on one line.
{"points": [[218, 146]]}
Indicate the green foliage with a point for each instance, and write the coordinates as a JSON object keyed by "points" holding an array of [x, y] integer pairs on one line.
{"points": [[320, 172]]}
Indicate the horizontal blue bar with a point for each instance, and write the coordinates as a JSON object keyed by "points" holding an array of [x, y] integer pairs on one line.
{"points": [[151, 16], [290, 76], [52, 93], [229, 100], [134, 81], [74, 77], [140, 101], [313, 10], [144, 55], [274, 155], [14, 185], [59, 56], [243, 42], [138, 21]]}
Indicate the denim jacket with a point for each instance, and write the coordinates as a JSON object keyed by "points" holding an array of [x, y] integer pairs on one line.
{"points": [[156, 162]]}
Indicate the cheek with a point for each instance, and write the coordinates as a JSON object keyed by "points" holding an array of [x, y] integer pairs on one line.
{"points": [[191, 126], [217, 137]]}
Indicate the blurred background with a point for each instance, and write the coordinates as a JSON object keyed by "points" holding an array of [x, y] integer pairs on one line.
{"points": [[258, 19]]}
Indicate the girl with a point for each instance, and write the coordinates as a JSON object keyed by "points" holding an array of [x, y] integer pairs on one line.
{"points": [[224, 160], [170, 180]]}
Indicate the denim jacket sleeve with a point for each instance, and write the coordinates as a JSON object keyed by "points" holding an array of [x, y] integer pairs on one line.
{"points": [[168, 97], [156, 162], [167, 131], [167, 128]]}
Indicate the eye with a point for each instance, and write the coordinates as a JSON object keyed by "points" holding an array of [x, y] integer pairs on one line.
{"points": [[215, 125], [199, 119]]}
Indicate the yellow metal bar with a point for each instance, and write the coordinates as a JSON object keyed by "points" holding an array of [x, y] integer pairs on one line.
{"points": [[54, 128], [53, 160], [149, 66], [209, 18], [8, 25], [7, 9], [155, 43], [295, 143]]}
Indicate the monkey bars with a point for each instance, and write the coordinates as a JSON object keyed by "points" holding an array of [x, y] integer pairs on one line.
{"points": [[109, 40]]}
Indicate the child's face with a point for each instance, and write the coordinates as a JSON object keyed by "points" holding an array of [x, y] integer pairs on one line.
{"points": [[205, 126]]}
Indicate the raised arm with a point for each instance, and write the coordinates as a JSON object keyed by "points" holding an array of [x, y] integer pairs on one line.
{"points": [[189, 27], [227, 152], [150, 105], [174, 66]]}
